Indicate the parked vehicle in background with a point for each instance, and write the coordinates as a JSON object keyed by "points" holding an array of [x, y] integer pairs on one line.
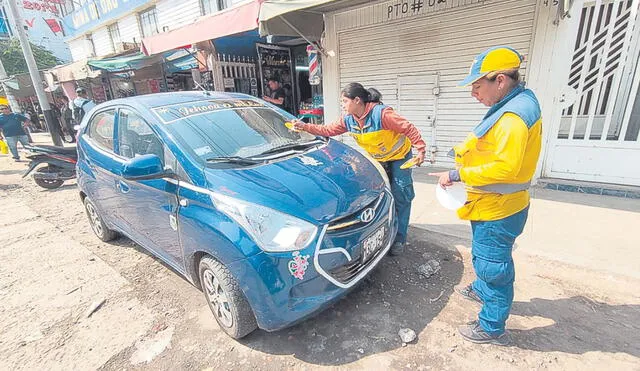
{"points": [[59, 165]]}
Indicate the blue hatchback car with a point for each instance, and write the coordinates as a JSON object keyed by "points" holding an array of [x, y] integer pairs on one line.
{"points": [[273, 225]]}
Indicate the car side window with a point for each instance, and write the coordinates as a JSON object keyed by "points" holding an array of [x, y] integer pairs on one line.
{"points": [[101, 129], [170, 162], [135, 137]]}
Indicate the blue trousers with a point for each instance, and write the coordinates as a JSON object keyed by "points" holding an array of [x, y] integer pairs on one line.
{"points": [[12, 143], [495, 273], [403, 193]]}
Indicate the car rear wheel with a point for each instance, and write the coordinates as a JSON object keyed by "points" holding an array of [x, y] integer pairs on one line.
{"points": [[226, 300], [97, 224]]}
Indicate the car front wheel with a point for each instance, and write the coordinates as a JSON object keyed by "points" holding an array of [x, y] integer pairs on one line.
{"points": [[226, 300]]}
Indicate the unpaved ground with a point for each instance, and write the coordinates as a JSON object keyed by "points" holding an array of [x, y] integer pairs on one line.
{"points": [[54, 270]]}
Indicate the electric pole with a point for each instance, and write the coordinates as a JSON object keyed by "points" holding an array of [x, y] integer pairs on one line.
{"points": [[49, 118]]}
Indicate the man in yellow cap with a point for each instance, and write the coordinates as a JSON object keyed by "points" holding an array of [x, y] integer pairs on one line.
{"points": [[496, 163]]}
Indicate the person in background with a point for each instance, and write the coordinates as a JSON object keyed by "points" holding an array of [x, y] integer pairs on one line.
{"points": [[12, 126], [33, 119], [277, 95], [58, 120], [496, 163], [66, 118], [387, 137], [81, 105]]}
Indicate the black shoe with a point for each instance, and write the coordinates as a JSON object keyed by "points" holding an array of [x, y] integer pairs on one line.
{"points": [[397, 249], [468, 293], [474, 333]]}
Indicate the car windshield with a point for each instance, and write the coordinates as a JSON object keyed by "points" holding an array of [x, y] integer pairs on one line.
{"points": [[215, 130]]}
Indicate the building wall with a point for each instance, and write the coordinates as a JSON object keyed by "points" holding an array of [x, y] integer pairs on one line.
{"points": [[171, 14], [78, 48], [102, 42], [169, 18], [130, 28], [416, 58]]}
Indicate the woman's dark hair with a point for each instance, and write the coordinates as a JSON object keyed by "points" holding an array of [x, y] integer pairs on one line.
{"points": [[355, 89]]}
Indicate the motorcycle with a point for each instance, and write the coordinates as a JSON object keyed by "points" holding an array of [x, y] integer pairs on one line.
{"points": [[60, 165]]}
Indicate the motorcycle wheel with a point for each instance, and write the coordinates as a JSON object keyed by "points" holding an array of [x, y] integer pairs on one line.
{"points": [[48, 183]]}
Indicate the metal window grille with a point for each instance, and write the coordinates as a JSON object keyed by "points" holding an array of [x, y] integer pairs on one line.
{"points": [[149, 22]]}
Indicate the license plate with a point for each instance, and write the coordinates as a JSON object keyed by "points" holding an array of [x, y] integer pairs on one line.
{"points": [[373, 243]]}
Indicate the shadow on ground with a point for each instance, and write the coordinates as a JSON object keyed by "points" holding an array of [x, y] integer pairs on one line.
{"points": [[608, 328], [367, 321], [12, 172]]}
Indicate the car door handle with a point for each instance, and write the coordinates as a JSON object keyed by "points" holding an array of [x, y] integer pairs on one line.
{"points": [[122, 186]]}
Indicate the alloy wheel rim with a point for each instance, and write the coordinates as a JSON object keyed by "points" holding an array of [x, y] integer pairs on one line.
{"points": [[95, 220], [218, 298]]}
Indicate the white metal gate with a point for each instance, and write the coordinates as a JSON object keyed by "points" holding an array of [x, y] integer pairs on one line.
{"points": [[597, 139], [238, 74]]}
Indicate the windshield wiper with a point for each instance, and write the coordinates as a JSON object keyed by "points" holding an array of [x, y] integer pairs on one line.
{"points": [[292, 146], [235, 160]]}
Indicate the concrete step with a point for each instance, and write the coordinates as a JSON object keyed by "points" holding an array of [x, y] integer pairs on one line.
{"points": [[604, 189]]}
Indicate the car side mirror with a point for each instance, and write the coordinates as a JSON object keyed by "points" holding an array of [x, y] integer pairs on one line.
{"points": [[145, 167]]}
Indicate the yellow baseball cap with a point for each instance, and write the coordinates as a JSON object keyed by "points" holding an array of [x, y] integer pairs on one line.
{"points": [[498, 58]]}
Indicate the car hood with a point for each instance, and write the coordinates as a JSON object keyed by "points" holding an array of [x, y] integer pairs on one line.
{"points": [[326, 183]]}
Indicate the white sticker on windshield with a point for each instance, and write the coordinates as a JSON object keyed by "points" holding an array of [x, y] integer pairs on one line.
{"points": [[309, 161], [202, 150]]}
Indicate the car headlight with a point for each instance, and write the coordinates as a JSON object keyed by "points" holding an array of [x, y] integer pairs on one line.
{"points": [[272, 230]]}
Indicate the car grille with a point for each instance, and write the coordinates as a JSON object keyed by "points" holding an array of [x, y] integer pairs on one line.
{"points": [[354, 220], [347, 272]]}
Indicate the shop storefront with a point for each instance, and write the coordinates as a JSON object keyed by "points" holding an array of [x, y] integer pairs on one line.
{"points": [[416, 54], [237, 59], [251, 63], [580, 59]]}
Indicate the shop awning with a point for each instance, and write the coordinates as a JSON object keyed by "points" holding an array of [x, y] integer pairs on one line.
{"points": [[185, 63], [298, 17], [74, 71], [117, 64], [241, 18], [175, 60], [292, 18]]}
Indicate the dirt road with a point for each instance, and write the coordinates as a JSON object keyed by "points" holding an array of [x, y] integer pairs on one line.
{"points": [[67, 300]]}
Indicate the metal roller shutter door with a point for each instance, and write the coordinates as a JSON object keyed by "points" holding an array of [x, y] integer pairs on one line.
{"points": [[404, 58]]}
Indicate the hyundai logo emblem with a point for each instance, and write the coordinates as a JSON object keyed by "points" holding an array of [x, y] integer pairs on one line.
{"points": [[367, 215]]}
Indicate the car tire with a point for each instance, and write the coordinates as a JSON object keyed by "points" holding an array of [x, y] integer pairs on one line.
{"points": [[97, 224], [225, 298]]}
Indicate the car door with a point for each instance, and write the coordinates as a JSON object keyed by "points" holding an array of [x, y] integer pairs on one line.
{"points": [[98, 160], [147, 207]]}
